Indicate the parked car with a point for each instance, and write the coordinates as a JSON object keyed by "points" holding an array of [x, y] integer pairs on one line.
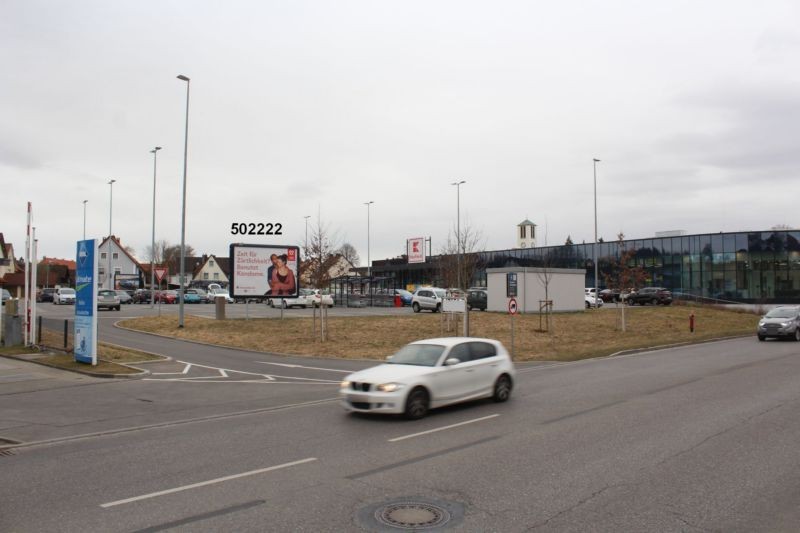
{"points": [[201, 293], [5, 295], [780, 322], [650, 295], [64, 295], [590, 291], [108, 299], [124, 297], [591, 301], [405, 296], [191, 296], [45, 295], [431, 373], [610, 295], [141, 296], [167, 297], [477, 299], [304, 299], [217, 291], [318, 298], [428, 298]]}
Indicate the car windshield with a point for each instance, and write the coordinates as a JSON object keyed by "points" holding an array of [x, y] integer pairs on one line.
{"points": [[782, 313], [417, 354], [67, 291]]}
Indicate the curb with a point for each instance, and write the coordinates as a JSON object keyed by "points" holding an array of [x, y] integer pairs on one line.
{"points": [[141, 371], [675, 345], [237, 348]]}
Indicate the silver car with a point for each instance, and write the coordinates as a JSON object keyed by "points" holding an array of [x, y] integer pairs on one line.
{"points": [[780, 322], [429, 298], [108, 299]]}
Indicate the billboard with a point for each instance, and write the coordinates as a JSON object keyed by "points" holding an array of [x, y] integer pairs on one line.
{"points": [[85, 338], [264, 270], [416, 250], [126, 282]]}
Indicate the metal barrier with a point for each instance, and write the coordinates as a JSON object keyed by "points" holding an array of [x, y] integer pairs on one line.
{"points": [[55, 333]]}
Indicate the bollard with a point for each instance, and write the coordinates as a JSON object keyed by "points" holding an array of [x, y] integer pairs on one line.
{"points": [[219, 303], [691, 322]]}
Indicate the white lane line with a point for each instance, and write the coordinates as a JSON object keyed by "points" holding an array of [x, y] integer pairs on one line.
{"points": [[306, 367], [443, 428], [205, 483]]}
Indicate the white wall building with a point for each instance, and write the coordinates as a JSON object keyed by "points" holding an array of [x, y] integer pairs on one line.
{"points": [[565, 288], [114, 260], [212, 269], [526, 234]]}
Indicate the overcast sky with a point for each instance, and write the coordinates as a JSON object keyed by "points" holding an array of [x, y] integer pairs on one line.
{"points": [[300, 107]]}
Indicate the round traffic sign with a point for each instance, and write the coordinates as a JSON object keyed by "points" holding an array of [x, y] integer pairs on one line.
{"points": [[512, 306]]}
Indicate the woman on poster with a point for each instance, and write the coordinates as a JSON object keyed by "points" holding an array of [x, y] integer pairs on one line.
{"points": [[282, 281]]}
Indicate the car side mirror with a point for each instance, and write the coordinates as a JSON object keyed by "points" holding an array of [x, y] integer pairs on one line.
{"points": [[452, 361]]}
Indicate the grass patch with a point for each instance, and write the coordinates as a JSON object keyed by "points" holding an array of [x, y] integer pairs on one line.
{"points": [[107, 352], [573, 335], [17, 350], [67, 361]]}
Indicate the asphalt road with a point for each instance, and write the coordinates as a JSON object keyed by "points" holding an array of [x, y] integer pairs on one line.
{"points": [[689, 439]]}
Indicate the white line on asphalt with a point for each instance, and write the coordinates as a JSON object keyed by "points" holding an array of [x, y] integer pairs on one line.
{"points": [[306, 367], [443, 428], [204, 483], [217, 379]]}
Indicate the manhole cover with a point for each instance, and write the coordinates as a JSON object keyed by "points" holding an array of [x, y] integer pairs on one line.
{"points": [[412, 515]]}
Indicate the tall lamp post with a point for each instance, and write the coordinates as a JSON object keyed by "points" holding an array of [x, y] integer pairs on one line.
{"points": [[183, 209], [108, 248], [154, 151], [84, 219], [369, 264], [307, 217], [458, 185], [596, 287]]}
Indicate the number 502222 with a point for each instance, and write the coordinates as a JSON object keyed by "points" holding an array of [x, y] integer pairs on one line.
{"points": [[256, 228]]}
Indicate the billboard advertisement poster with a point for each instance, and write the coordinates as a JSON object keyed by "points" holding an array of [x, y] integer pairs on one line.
{"points": [[416, 250], [127, 282], [85, 334], [264, 270]]}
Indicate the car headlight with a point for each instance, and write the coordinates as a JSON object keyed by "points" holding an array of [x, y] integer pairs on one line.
{"points": [[345, 384], [786, 324], [762, 323], [389, 387]]}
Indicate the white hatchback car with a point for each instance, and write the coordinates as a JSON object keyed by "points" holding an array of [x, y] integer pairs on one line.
{"points": [[431, 373], [64, 295]]}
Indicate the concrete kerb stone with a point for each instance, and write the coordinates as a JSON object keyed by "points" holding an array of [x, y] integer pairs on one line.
{"points": [[140, 374], [675, 345], [237, 348]]}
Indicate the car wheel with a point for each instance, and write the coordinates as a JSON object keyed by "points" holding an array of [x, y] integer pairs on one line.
{"points": [[415, 307], [761, 338], [283, 304], [587, 305], [502, 389], [417, 404], [438, 308], [654, 301], [797, 335]]}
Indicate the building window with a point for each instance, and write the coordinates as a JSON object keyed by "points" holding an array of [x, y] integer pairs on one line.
{"points": [[211, 262], [117, 270], [101, 273], [522, 232], [103, 255], [216, 275], [115, 255], [205, 275]]}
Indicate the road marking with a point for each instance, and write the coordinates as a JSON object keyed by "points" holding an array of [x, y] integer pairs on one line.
{"points": [[306, 367], [205, 483], [396, 439]]}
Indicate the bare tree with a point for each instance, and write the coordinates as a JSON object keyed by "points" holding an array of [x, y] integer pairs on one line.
{"points": [[545, 275], [168, 254], [156, 254], [349, 253], [472, 242], [321, 255], [623, 276]]}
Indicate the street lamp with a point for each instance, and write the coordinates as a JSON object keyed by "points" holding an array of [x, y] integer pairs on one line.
{"points": [[458, 185], [596, 287], [183, 209], [369, 264], [154, 151], [108, 248], [84, 219], [307, 217]]}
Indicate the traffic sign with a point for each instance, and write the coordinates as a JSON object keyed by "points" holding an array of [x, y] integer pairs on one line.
{"points": [[512, 306], [160, 273]]}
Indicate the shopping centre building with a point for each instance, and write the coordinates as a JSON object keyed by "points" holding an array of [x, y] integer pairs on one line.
{"points": [[752, 266]]}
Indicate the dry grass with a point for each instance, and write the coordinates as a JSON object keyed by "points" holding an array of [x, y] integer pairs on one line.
{"points": [[573, 335], [68, 361]]}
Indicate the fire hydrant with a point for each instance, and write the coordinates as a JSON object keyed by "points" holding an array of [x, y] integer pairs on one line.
{"points": [[691, 322]]}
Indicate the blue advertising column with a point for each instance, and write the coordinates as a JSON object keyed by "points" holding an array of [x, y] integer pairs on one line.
{"points": [[85, 339]]}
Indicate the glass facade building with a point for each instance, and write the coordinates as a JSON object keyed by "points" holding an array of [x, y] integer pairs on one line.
{"points": [[748, 267]]}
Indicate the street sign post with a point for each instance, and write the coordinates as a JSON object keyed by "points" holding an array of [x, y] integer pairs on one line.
{"points": [[512, 310], [85, 335], [160, 273]]}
